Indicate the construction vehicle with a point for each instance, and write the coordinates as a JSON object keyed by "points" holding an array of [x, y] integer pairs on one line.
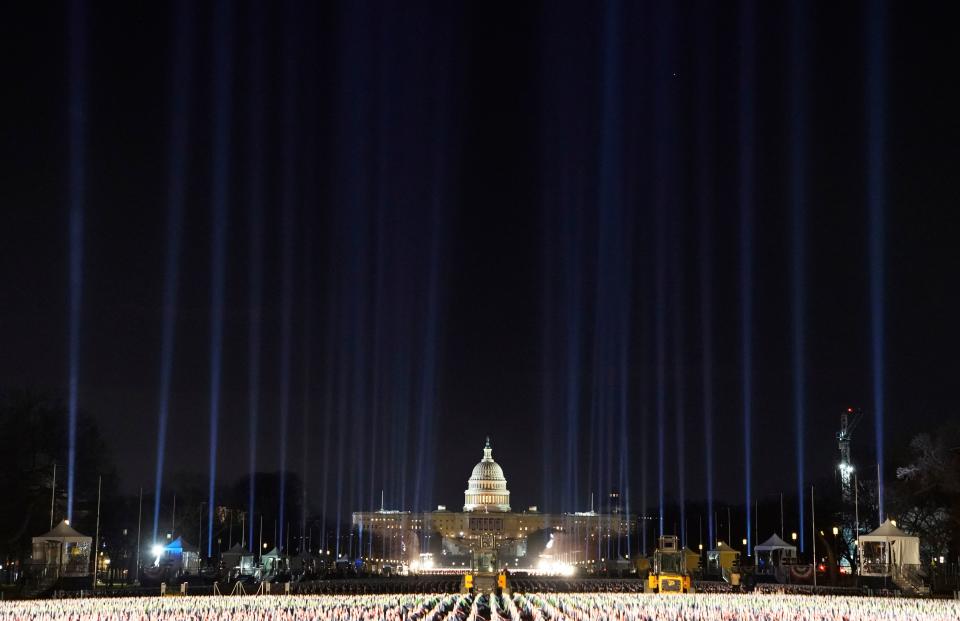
{"points": [[668, 573]]}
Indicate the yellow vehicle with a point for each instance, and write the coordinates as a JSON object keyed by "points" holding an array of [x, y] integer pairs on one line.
{"points": [[668, 574]]}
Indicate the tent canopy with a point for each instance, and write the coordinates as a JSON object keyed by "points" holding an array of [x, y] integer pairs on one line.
{"points": [[691, 559], [889, 545], [886, 530], [722, 547], [774, 543], [179, 546], [65, 533]]}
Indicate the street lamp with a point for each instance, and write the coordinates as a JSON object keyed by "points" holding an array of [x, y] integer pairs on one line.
{"points": [[793, 536]]}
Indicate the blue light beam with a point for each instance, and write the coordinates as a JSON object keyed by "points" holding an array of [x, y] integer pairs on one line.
{"points": [[876, 204], [76, 188], [706, 181], [289, 198], [747, 136], [798, 200], [255, 219], [181, 78], [222, 86]]}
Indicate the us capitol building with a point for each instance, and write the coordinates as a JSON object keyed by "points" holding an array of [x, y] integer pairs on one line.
{"points": [[488, 534]]}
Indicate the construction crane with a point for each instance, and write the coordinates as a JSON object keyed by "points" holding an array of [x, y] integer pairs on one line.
{"points": [[849, 419]]}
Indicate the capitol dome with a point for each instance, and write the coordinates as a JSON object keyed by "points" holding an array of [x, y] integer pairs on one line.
{"points": [[487, 487]]}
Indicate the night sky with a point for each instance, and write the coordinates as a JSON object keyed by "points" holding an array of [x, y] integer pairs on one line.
{"points": [[515, 219]]}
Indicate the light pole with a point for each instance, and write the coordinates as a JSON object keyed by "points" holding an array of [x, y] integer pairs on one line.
{"points": [[96, 544], [729, 536], [836, 549], [856, 521], [53, 493], [139, 516], [813, 535], [781, 515], [200, 531]]}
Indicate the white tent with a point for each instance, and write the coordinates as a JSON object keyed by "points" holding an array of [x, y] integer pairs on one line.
{"points": [[273, 561], [773, 552], [886, 550], [63, 550], [239, 559]]}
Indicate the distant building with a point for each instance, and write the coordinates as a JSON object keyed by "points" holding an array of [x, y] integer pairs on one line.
{"points": [[488, 535]]}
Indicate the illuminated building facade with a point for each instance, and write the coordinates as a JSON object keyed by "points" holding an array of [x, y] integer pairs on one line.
{"points": [[488, 535]]}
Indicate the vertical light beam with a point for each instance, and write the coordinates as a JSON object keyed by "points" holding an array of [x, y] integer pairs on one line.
{"points": [[222, 85], [286, 250], [876, 198], [76, 189], [659, 329], [798, 199], [664, 201], [181, 78], [678, 374], [747, 18], [705, 145], [255, 290]]}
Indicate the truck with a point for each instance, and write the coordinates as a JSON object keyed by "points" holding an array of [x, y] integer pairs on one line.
{"points": [[668, 572]]}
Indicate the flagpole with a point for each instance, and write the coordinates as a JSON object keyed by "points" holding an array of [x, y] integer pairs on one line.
{"points": [[729, 536], [782, 533], [53, 493], [756, 523], [879, 495], [96, 545], [813, 532], [139, 515], [856, 517]]}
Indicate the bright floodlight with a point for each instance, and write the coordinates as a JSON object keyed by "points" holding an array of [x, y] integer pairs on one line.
{"points": [[157, 550]]}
